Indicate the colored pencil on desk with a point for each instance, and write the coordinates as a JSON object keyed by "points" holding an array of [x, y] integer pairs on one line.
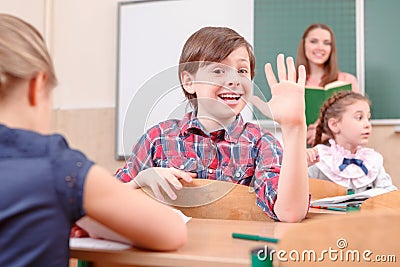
{"points": [[255, 237], [329, 208]]}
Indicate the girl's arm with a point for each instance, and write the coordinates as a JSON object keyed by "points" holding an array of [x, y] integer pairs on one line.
{"points": [[131, 213], [383, 180]]}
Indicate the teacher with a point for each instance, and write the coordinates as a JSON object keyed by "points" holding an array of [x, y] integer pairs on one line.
{"points": [[317, 52]]}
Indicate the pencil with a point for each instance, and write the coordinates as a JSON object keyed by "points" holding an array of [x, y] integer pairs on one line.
{"points": [[255, 237], [329, 208]]}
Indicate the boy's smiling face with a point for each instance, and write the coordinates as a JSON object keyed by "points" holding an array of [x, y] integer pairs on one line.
{"points": [[222, 88]]}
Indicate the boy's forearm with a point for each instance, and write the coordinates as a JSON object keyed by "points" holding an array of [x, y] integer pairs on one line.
{"points": [[293, 189]]}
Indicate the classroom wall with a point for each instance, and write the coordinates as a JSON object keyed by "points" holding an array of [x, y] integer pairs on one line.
{"points": [[81, 36], [84, 51], [82, 39], [84, 42], [387, 142]]}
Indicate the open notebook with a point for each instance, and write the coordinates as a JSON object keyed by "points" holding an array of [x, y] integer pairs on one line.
{"points": [[102, 237], [357, 198]]}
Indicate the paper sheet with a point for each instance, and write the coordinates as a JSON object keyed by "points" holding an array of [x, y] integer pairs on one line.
{"points": [[102, 237], [95, 243]]}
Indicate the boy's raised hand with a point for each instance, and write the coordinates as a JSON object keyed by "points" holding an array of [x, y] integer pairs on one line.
{"points": [[287, 106]]}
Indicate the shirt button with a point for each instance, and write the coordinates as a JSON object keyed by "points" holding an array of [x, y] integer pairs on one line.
{"points": [[182, 167], [237, 174], [210, 171]]}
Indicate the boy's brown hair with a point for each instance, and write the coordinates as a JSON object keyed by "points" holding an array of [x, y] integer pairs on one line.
{"points": [[211, 44]]}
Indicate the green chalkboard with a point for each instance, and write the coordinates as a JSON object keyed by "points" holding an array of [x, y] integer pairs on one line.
{"points": [[279, 25], [382, 57]]}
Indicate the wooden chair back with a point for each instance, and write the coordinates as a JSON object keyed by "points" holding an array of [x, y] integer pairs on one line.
{"points": [[388, 201], [351, 236], [322, 188], [211, 199]]}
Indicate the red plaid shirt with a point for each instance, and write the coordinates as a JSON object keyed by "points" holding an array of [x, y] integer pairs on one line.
{"points": [[243, 153]]}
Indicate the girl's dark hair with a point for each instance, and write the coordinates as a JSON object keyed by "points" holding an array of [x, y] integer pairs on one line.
{"points": [[334, 108]]}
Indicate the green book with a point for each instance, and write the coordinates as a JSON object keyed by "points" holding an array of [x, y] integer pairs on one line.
{"points": [[315, 97]]}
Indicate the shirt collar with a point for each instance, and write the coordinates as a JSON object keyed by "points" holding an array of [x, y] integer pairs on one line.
{"points": [[332, 157], [190, 124]]}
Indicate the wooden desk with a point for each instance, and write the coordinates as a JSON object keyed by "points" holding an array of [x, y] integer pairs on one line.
{"points": [[209, 244], [360, 239], [387, 201]]}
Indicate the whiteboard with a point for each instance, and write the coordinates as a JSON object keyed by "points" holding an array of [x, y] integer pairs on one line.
{"points": [[150, 37]]}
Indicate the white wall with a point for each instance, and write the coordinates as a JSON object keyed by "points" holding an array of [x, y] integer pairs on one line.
{"points": [[84, 38], [81, 36], [31, 11]]}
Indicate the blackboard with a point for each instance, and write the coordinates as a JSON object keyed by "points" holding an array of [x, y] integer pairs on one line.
{"points": [[279, 25], [382, 57]]}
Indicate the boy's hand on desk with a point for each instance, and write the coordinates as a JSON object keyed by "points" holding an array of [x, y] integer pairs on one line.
{"points": [[157, 177], [287, 106]]}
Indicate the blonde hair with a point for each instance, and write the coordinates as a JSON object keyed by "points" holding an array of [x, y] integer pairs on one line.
{"points": [[334, 108], [331, 69], [23, 53]]}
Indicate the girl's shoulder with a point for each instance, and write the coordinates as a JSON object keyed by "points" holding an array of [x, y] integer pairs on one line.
{"points": [[349, 78], [346, 77]]}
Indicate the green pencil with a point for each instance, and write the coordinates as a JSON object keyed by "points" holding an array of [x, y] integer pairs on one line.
{"points": [[255, 237]]}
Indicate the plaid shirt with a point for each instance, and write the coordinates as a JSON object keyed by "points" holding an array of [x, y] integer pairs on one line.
{"points": [[243, 153]]}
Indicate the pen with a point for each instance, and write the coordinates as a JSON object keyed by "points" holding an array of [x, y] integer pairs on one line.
{"points": [[329, 208], [255, 237]]}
